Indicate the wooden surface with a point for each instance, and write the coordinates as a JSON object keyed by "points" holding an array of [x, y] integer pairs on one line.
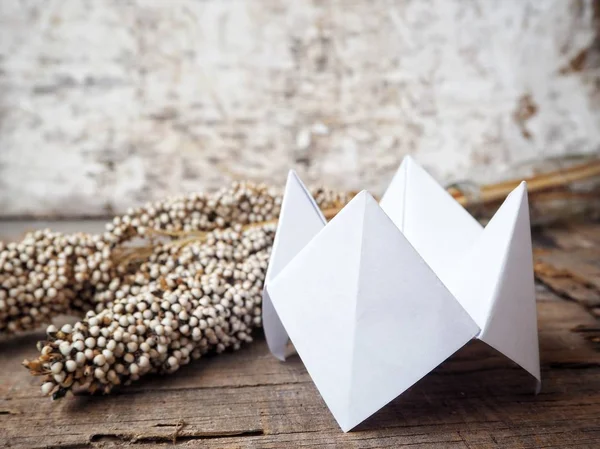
{"points": [[476, 399]]}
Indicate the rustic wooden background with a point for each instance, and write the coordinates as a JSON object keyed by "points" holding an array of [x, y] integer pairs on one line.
{"points": [[107, 104], [247, 399]]}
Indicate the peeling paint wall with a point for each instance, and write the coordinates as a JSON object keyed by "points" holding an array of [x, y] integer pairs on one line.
{"points": [[107, 104]]}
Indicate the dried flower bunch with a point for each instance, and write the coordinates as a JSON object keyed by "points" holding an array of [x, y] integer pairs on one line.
{"points": [[48, 274], [147, 309], [181, 304]]}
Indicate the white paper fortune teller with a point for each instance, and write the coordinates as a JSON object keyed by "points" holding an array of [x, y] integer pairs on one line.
{"points": [[383, 293]]}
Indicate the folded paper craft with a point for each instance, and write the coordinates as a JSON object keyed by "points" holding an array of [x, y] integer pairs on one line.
{"points": [[383, 293]]}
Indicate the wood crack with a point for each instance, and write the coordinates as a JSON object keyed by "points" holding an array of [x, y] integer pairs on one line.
{"points": [[180, 437]]}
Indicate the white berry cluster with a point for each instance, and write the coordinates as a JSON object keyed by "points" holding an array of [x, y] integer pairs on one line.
{"points": [[47, 274], [196, 293], [181, 304], [242, 203]]}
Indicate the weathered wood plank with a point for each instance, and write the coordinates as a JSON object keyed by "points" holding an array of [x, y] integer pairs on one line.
{"points": [[248, 399], [570, 266], [569, 236], [476, 399]]}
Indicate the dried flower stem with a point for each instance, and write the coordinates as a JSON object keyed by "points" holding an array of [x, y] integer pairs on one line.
{"points": [[155, 308], [535, 184]]}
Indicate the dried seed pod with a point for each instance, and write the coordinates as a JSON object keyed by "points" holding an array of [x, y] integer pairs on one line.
{"points": [[183, 316], [47, 274], [146, 309]]}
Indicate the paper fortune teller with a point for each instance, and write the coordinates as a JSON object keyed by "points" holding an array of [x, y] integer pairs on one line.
{"points": [[385, 292]]}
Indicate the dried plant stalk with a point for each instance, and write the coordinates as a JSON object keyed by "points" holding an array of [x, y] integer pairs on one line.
{"points": [[47, 274], [180, 304], [156, 307], [571, 190]]}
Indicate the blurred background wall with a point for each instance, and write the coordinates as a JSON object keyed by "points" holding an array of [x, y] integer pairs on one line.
{"points": [[108, 104]]}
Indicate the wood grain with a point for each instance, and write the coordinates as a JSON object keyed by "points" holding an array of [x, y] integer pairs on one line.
{"points": [[247, 399], [569, 264]]}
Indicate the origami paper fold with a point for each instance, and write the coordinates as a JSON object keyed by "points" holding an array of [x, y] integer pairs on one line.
{"points": [[300, 220], [383, 293]]}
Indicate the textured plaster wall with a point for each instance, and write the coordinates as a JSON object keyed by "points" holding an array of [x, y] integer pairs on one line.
{"points": [[106, 104]]}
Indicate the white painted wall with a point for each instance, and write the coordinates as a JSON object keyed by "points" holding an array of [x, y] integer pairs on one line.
{"points": [[106, 104]]}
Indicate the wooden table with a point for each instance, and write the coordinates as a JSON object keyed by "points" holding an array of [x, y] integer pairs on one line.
{"points": [[476, 399]]}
